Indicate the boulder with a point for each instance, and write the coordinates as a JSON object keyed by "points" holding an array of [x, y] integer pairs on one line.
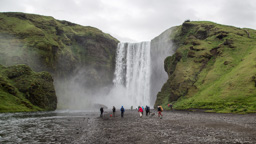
{"points": [[37, 87]]}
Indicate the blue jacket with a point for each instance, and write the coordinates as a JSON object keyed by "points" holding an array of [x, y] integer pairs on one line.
{"points": [[121, 109]]}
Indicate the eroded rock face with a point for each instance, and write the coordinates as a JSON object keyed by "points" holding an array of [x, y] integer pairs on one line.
{"points": [[21, 82]]}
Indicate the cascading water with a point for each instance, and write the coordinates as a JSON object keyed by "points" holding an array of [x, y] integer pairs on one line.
{"points": [[133, 72], [139, 72]]}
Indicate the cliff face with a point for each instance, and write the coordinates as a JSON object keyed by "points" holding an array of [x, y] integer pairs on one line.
{"points": [[213, 68], [160, 48], [75, 55], [21, 89], [59, 47]]}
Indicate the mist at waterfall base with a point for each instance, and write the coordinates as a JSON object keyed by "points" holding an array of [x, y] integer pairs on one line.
{"points": [[74, 94], [14, 51], [132, 73], [138, 77], [81, 91]]}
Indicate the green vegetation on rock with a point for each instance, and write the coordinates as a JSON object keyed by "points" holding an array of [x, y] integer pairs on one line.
{"points": [[214, 68], [59, 47], [21, 90]]}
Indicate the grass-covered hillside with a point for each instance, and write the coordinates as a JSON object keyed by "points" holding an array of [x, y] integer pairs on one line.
{"points": [[22, 89], [59, 47], [70, 52], [214, 68]]}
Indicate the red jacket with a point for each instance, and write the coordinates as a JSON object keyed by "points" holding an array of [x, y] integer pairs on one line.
{"points": [[140, 109]]}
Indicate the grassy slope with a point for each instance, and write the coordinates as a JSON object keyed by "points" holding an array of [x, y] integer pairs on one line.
{"points": [[216, 73], [22, 89], [11, 98], [10, 103], [43, 43], [59, 47]]}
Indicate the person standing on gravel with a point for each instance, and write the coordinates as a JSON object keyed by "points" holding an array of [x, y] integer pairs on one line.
{"points": [[140, 111], [160, 110], [101, 111], [147, 110], [114, 111], [122, 111]]}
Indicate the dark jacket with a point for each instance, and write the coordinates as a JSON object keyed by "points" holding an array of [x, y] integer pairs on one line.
{"points": [[147, 109], [159, 109]]}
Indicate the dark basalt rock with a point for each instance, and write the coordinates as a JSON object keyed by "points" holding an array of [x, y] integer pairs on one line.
{"points": [[4, 85], [227, 62], [222, 35], [194, 43], [229, 43], [254, 79], [201, 34], [191, 54], [196, 49]]}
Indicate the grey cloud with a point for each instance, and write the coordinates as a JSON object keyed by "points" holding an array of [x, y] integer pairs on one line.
{"points": [[138, 20], [239, 13]]}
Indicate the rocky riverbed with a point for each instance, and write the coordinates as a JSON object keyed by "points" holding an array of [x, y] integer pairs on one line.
{"points": [[87, 127]]}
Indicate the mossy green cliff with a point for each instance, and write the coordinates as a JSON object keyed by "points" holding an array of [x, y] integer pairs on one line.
{"points": [[59, 47], [21, 89], [214, 68]]}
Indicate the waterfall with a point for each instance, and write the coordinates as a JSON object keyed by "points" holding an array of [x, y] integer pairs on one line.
{"points": [[139, 72], [138, 77], [133, 72]]}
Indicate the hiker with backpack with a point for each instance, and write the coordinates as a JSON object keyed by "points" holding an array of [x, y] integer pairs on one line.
{"points": [[170, 106], [147, 110], [122, 111], [160, 110], [140, 111], [114, 111]]}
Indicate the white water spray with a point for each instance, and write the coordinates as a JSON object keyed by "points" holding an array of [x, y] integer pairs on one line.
{"points": [[133, 72]]}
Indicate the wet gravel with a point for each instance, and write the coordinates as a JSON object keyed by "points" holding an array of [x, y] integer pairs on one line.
{"points": [[88, 127]]}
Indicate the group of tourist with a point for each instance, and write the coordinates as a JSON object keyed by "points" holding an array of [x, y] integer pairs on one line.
{"points": [[140, 110]]}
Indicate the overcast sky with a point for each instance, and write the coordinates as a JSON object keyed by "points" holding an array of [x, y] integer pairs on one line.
{"points": [[139, 20]]}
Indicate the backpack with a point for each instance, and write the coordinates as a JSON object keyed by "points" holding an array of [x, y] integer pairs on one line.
{"points": [[161, 108], [122, 109], [147, 108]]}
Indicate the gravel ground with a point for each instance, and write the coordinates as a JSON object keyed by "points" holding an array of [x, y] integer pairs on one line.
{"points": [[88, 127], [175, 127]]}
